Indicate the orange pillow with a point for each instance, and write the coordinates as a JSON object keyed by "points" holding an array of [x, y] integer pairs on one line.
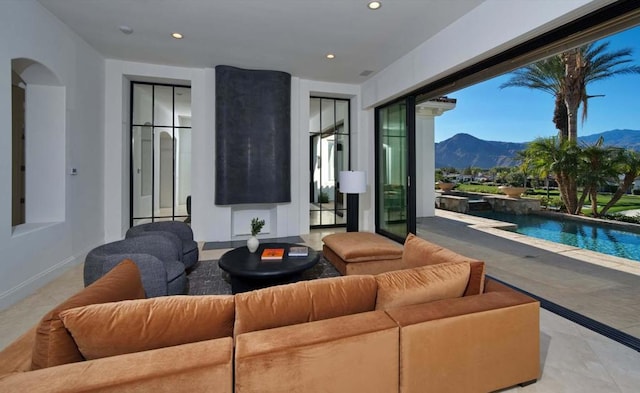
{"points": [[419, 252], [304, 301], [53, 344], [422, 284], [110, 329]]}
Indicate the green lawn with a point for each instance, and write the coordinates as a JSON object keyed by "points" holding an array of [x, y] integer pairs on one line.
{"points": [[627, 202]]}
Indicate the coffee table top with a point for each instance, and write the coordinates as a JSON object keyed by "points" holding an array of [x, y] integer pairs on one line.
{"points": [[240, 262]]}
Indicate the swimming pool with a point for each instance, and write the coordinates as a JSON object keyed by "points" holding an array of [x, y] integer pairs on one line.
{"points": [[604, 239]]}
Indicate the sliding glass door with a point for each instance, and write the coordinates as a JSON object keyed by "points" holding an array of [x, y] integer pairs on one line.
{"points": [[395, 166]]}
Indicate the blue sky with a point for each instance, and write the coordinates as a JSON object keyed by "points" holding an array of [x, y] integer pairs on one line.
{"points": [[518, 114]]}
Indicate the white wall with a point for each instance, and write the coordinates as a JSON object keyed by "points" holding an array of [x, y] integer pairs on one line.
{"points": [[209, 221], [33, 254]]}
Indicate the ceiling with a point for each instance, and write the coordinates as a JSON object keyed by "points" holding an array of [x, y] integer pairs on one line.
{"points": [[285, 35]]}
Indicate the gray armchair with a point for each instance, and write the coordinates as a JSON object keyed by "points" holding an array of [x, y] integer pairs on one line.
{"points": [[176, 232], [161, 270]]}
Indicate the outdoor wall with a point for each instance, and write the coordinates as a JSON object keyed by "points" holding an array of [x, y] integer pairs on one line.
{"points": [[37, 252]]}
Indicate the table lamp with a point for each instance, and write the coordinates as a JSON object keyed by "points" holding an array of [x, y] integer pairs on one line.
{"points": [[352, 183]]}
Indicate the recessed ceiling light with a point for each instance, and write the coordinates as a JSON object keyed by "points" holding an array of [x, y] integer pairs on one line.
{"points": [[125, 29], [374, 5], [331, 56], [177, 36]]}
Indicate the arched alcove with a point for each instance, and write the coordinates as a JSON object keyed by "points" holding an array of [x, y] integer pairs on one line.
{"points": [[39, 118]]}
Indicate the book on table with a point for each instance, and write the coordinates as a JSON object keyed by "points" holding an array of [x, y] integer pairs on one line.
{"points": [[272, 254], [298, 251]]}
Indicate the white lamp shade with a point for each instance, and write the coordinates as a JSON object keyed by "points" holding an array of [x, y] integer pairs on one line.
{"points": [[352, 182]]}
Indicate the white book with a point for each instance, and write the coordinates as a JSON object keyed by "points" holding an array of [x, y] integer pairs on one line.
{"points": [[298, 251]]}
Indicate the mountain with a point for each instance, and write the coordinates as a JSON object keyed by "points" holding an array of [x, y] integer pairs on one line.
{"points": [[464, 150], [629, 139]]}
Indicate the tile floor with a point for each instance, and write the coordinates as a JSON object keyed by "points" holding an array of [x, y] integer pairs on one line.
{"points": [[574, 359]]}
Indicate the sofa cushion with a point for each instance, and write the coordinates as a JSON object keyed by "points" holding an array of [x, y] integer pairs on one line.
{"points": [[419, 252], [422, 284], [109, 329], [362, 246], [53, 345], [304, 301]]}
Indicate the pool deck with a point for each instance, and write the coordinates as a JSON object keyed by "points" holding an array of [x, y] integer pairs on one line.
{"points": [[599, 286]]}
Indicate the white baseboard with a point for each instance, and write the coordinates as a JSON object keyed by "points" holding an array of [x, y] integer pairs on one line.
{"points": [[32, 284]]}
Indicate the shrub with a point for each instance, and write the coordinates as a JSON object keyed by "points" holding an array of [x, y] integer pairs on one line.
{"points": [[323, 197], [620, 217]]}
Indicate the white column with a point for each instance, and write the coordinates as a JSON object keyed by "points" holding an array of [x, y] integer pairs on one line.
{"points": [[425, 153], [425, 163]]}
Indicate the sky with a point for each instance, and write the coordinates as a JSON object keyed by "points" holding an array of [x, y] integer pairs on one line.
{"points": [[519, 114]]}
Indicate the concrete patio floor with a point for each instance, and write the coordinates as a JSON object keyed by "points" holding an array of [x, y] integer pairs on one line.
{"points": [[599, 286]]}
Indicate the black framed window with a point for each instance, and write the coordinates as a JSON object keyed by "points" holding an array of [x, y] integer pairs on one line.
{"points": [[160, 178]]}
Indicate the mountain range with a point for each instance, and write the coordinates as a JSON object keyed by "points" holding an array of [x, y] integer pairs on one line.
{"points": [[464, 150]]}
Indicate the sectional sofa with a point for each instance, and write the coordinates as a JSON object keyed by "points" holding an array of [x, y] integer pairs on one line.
{"points": [[432, 328]]}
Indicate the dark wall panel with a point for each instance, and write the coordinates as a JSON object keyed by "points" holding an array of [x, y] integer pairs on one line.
{"points": [[253, 136]]}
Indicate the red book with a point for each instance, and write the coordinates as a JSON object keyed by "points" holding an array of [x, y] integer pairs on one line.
{"points": [[272, 254]]}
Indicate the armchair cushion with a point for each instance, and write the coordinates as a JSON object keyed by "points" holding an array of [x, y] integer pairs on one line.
{"points": [[110, 329], [53, 344], [422, 284]]}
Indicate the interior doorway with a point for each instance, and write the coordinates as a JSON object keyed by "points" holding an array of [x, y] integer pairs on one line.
{"points": [[329, 153]]}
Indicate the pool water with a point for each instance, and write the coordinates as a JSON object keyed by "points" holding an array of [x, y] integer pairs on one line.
{"points": [[604, 239]]}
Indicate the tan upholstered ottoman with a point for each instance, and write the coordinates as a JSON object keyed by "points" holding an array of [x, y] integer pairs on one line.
{"points": [[362, 253]]}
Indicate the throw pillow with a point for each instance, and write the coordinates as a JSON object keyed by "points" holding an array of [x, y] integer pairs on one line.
{"points": [[53, 344], [304, 301], [422, 284], [110, 329], [476, 279], [419, 252]]}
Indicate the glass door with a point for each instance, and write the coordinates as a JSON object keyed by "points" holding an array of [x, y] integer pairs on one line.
{"points": [[160, 152], [395, 166], [329, 154]]}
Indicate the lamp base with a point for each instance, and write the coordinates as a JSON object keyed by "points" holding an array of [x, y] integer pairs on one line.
{"points": [[352, 212]]}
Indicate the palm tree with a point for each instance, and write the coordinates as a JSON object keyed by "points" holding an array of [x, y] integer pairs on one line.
{"points": [[566, 76], [625, 162], [560, 158], [595, 167]]}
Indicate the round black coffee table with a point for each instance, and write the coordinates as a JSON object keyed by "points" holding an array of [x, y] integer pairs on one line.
{"points": [[248, 271]]}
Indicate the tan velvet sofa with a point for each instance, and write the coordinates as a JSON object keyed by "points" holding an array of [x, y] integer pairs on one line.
{"points": [[435, 328]]}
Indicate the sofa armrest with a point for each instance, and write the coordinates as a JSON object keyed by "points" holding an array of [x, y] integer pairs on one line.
{"points": [[492, 339], [195, 367], [353, 353], [16, 357]]}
